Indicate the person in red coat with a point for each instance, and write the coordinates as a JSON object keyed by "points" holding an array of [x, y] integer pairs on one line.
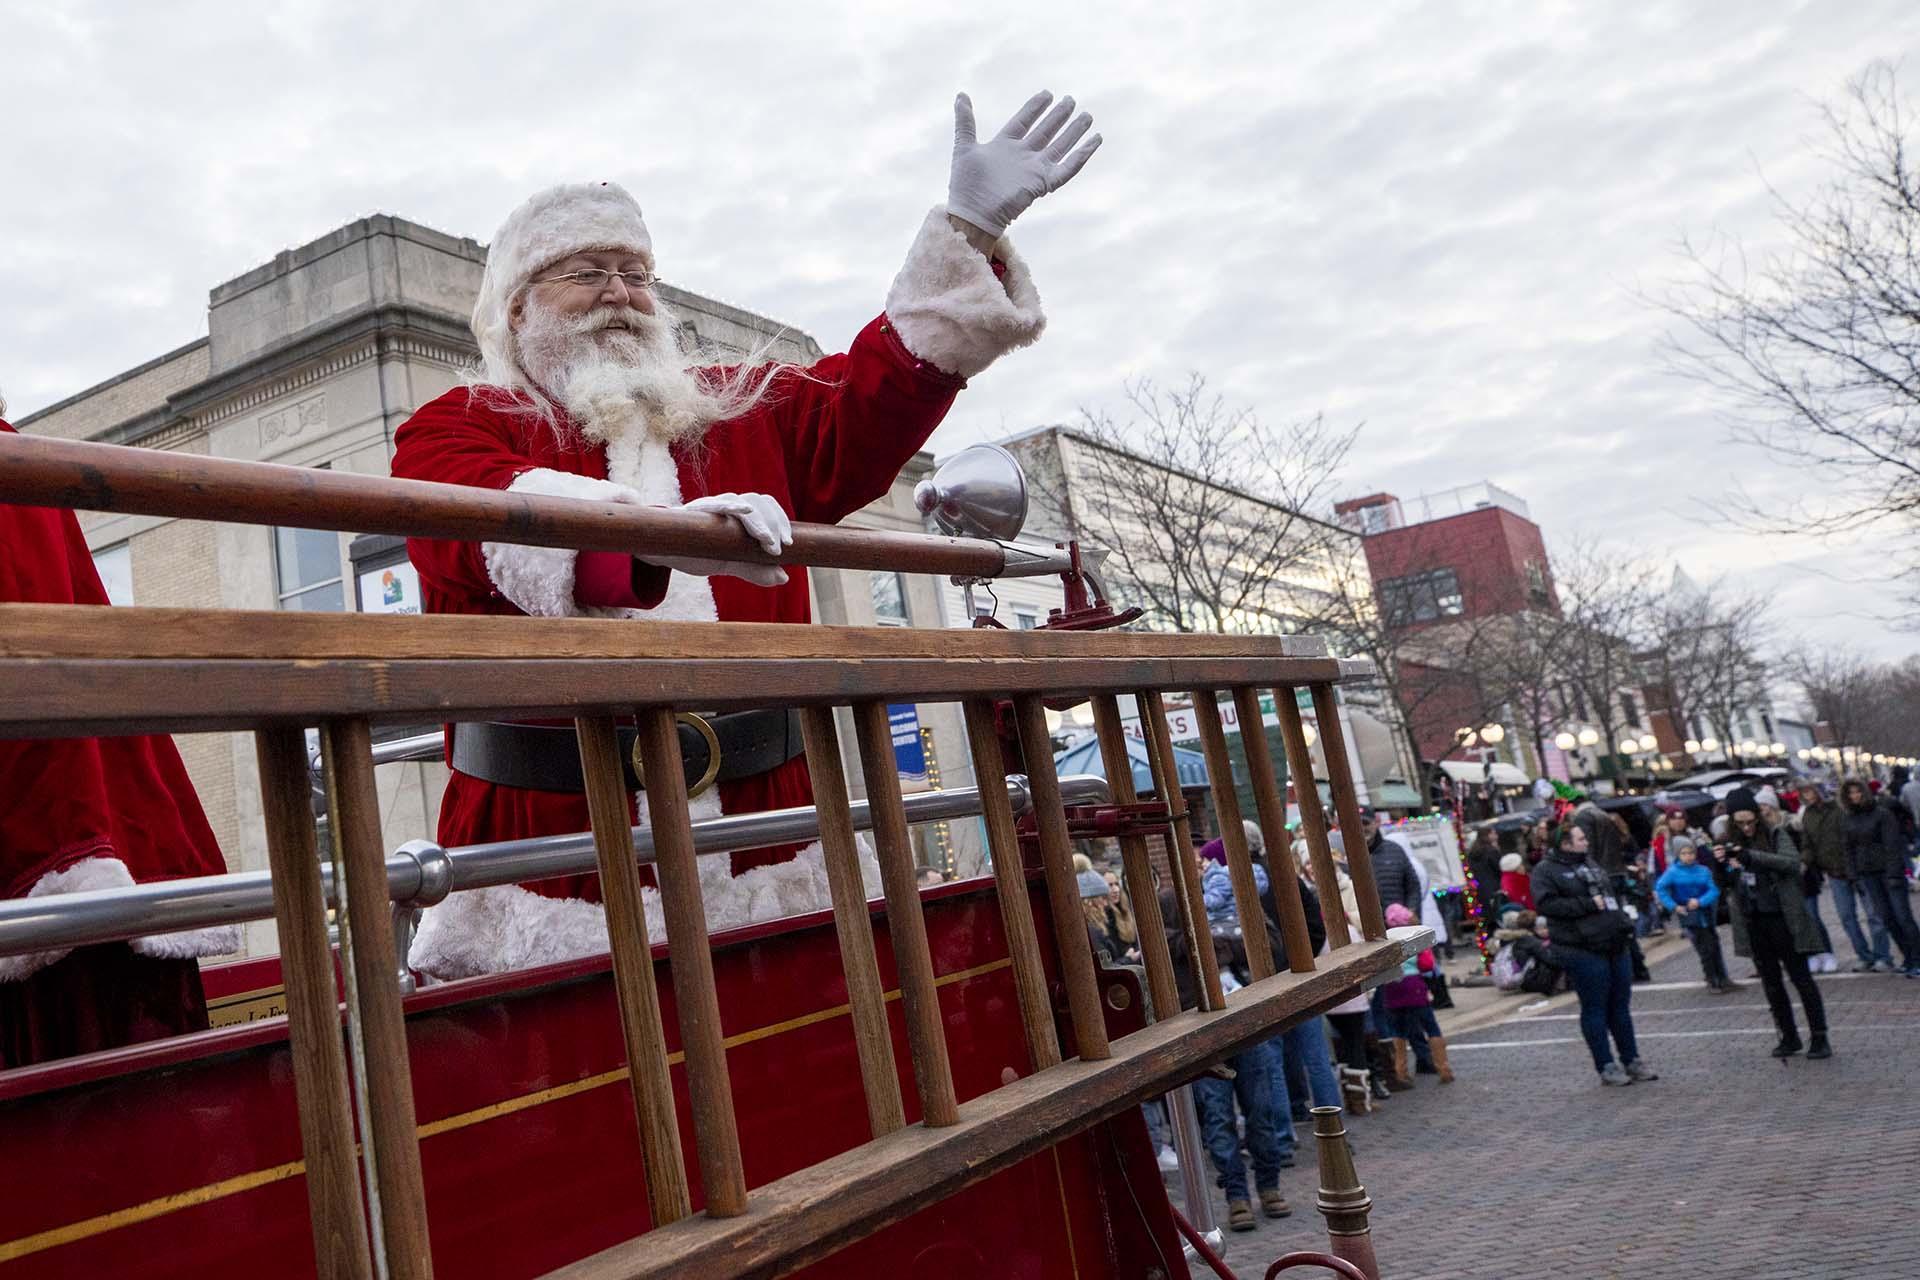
{"points": [[584, 391], [80, 814]]}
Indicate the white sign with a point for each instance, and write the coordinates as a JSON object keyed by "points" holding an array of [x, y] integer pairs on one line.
{"points": [[394, 589], [1183, 723], [1435, 843]]}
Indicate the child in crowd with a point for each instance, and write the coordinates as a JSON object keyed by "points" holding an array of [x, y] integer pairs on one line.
{"points": [[1410, 1007], [1525, 961], [1687, 890]]}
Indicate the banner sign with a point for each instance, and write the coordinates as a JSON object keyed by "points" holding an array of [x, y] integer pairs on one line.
{"points": [[909, 752]]}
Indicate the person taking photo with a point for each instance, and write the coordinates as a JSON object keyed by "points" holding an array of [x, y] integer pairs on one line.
{"points": [[1758, 869]]}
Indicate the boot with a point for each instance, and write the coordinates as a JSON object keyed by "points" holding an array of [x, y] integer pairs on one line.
{"points": [[1789, 1038], [1377, 1089], [1240, 1216], [1354, 1092], [1817, 1047], [1439, 1046], [1399, 1081]]}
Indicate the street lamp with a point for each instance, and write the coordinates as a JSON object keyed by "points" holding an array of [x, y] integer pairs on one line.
{"points": [[1493, 734], [1748, 747], [1779, 748], [1564, 740], [1648, 742], [1691, 746], [1629, 747], [1589, 737], [1804, 754], [1709, 744]]}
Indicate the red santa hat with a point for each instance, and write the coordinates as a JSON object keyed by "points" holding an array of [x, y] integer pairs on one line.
{"points": [[575, 217]]}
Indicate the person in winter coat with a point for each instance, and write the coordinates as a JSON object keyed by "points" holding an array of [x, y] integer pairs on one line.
{"points": [[1250, 1090], [1876, 858], [1758, 869], [1410, 1007], [1093, 905], [1590, 936], [1483, 864], [1216, 882], [1515, 884], [1394, 875], [1686, 889], [1820, 831]]}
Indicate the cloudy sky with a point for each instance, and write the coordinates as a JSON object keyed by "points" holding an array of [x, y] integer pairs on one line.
{"points": [[1436, 219]]}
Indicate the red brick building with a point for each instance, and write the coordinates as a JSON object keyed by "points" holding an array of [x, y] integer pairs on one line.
{"points": [[1468, 553], [1471, 552]]}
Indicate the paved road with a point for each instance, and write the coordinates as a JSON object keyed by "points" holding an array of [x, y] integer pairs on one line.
{"points": [[1731, 1165]]}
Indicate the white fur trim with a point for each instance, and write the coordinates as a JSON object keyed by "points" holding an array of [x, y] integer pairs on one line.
{"points": [[90, 875], [539, 580], [550, 225], [495, 930], [950, 309]]}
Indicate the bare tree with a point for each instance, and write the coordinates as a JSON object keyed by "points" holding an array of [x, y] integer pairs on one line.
{"points": [[1605, 599], [1516, 661], [1866, 704], [1206, 511], [1703, 656], [1817, 347]]}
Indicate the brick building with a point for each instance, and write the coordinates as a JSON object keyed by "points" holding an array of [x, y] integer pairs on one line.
{"points": [[1471, 552]]}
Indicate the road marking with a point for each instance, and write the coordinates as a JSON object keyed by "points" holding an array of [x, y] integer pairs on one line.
{"points": [[1698, 984], [1706, 1008], [1677, 1035]]}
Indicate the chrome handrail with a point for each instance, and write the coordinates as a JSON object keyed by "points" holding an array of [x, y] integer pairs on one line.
{"points": [[421, 873]]}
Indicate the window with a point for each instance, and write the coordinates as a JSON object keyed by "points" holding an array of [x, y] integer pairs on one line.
{"points": [[1025, 619], [1630, 708], [889, 599], [1537, 583], [1422, 597], [307, 562], [115, 567]]}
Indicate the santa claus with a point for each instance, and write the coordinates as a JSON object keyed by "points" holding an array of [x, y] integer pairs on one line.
{"points": [[79, 814], [584, 391]]}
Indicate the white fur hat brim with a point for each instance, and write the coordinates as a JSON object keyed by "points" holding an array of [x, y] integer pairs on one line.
{"points": [[575, 217]]}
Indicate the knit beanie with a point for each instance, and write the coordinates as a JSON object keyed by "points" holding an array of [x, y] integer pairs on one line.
{"points": [[1512, 862], [1742, 799]]}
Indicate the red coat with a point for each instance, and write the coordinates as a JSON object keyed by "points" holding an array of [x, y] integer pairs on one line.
{"points": [[123, 807], [824, 446]]}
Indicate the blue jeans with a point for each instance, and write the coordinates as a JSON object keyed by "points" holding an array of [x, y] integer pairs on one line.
{"points": [[1279, 1096], [1888, 904], [1159, 1128], [1215, 1099], [1605, 986], [1845, 894], [1307, 1045]]}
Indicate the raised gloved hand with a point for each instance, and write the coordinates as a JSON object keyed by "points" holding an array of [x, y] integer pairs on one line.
{"points": [[993, 182], [765, 521]]}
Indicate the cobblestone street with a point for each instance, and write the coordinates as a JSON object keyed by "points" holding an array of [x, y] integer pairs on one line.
{"points": [[1731, 1165]]}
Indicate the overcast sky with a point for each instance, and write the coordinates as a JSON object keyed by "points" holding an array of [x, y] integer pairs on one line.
{"points": [[1433, 218]]}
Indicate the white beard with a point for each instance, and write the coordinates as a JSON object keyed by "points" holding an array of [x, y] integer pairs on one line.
{"points": [[619, 386]]}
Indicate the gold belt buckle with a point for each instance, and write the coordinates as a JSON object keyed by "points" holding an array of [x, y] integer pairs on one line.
{"points": [[702, 784]]}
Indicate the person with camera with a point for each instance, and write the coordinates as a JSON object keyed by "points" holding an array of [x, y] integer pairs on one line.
{"points": [[1759, 871], [1590, 937]]}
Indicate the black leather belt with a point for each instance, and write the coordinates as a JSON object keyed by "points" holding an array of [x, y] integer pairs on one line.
{"points": [[713, 749]]}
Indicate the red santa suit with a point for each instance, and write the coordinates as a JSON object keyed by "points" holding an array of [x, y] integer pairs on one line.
{"points": [[79, 814], [825, 441]]}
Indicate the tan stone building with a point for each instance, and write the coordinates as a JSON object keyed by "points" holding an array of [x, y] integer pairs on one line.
{"points": [[315, 359]]}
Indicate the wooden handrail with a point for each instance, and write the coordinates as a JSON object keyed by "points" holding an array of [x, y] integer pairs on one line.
{"points": [[42, 472]]}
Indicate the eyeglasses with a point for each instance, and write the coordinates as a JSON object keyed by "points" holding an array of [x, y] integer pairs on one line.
{"points": [[596, 278]]}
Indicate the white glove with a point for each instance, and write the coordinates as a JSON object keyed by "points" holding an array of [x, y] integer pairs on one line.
{"points": [[993, 182], [765, 522]]}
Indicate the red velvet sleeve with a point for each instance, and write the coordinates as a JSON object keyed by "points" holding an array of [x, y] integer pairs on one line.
{"points": [[849, 425], [53, 793], [457, 439]]}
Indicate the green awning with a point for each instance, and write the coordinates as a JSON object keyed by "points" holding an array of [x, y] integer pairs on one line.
{"points": [[1395, 795]]}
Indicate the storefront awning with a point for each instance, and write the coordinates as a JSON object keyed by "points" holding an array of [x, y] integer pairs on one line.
{"points": [[1504, 774], [1084, 757]]}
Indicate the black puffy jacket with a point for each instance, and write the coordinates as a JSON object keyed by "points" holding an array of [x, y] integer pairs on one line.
{"points": [[1564, 887]]}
